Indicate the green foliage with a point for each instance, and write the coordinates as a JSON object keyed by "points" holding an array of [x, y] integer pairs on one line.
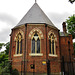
{"points": [[15, 72], [71, 25], [3, 57], [5, 68], [1, 44], [7, 45], [71, 1], [74, 47], [5, 65], [0, 70]]}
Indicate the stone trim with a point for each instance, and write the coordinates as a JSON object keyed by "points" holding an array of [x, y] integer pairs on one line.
{"points": [[18, 55], [35, 54], [51, 32], [33, 31], [53, 55]]}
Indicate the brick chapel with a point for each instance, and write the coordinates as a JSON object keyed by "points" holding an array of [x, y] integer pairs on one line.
{"points": [[37, 45]]}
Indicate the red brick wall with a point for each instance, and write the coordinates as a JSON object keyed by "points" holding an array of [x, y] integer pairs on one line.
{"points": [[16, 60], [64, 47], [55, 65]]}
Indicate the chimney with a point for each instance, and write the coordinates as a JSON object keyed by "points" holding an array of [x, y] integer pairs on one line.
{"points": [[64, 27]]}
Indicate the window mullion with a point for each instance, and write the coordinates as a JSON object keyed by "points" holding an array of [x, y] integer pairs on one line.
{"points": [[16, 47], [35, 46]]}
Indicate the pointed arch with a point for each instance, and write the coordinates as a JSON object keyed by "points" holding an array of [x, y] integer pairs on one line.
{"points": [[19, 32], [51, 32], [19, 40], [36, 30], [35, 43], [52, 42], [36, 35]]}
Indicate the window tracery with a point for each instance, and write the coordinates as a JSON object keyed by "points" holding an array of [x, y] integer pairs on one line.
{"points": [[35, 36], [19, 44], [52, 44], [35, 43]]}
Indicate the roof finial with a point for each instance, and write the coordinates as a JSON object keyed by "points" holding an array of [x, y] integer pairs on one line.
{"points": [[35, 1]]}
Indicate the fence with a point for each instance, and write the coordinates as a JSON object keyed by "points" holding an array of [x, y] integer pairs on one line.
{"points": [[68, 67]]}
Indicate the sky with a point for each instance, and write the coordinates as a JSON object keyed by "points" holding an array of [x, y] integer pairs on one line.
{"points": [[12, 11]]}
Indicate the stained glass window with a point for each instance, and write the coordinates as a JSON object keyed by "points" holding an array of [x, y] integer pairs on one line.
{"points": [[33, 45], [19, 44], [18, 47], [38, 45], [51, 44]]}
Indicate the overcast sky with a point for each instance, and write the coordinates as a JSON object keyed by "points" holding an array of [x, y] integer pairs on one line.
{"points": [[12, 11]]}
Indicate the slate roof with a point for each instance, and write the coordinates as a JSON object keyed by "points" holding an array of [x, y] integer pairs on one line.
{"points": [[35, 15], [62, 34]]}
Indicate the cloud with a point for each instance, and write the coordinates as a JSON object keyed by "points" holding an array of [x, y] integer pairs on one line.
{"points": [[8, 19], [58, 18], [6, 23], [4, 35]]}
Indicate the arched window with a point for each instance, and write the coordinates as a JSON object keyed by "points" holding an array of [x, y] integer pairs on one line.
{"points": [[35, 43], [52, 44], [19, 44]]}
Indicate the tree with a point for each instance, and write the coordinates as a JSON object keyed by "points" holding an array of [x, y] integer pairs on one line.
{"points": [[1, 44], [71, 25], [71, 1], [74, 47], [7, 45], [4, 63]]}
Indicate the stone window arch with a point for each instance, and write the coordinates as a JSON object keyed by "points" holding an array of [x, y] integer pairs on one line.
{"points": [[52, 43], [36, 35], [35, 43], [36, 30], [19, 41]]}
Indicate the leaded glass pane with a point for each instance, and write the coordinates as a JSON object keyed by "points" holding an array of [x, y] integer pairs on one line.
{"points": [[36, 34], [18, 47], [49, 37], [50, 46], [38, 45], [52, 37], [53, 46], [21, 46], [33, 45]]}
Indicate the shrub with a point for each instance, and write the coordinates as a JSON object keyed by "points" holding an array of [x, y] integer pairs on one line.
{"points": [[15, 72]]}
